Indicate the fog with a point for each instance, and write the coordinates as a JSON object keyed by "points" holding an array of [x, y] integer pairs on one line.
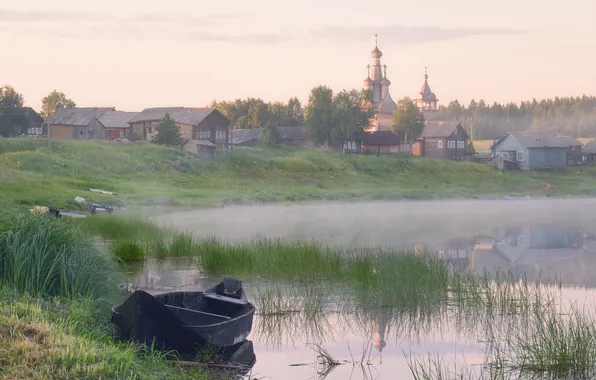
{"points": [[380, 223]]}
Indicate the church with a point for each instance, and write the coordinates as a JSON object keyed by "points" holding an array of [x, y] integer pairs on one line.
{"points": [[378, 83]]}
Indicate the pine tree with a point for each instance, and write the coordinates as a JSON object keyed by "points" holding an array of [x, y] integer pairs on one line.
{"points": [[168, 133]]}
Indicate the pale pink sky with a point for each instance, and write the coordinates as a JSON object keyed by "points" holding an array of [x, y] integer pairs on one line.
{"points": [[133, 54]]}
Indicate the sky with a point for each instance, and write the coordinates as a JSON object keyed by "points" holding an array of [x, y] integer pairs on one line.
{"points": [[133, 54]]}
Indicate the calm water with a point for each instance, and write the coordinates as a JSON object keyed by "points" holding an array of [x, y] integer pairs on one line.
{"points": [[547, 239]]}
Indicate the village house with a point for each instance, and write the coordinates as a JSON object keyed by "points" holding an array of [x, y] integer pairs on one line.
{"points": [[537, 150], [206, 124], [296, 136], [77, 123], [115, 124], [246, 137], [446, 140], [380, 142], [589, 152], [25, 117]]}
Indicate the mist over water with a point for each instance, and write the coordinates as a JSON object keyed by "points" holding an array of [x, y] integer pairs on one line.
{"points": [[395, 224], [553, 240]]}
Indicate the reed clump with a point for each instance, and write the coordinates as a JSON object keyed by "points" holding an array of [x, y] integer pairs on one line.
{"points": [[133, 238], [44, 257]]}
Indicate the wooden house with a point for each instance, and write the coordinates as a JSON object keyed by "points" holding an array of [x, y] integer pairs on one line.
{"points": [[115, 124], [246, 137], [589, 152], [536, 150], [21, 119], [195, 123], [446, 140], [77, 123], [380, 142]]}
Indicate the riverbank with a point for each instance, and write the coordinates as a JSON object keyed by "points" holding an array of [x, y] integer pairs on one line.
{"points": [[148, 175], [56, 290]]}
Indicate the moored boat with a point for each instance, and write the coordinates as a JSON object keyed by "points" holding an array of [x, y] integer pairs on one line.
{"points": [[187, 321]]}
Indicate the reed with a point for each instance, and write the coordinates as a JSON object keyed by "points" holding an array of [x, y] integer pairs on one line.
{"points": [[44, 257], [134, 238]]}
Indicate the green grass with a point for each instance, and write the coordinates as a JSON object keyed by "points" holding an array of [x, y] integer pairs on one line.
{"points": [[133, 238], [59, 339], [42, 257], [147, 175], [56, 290]]}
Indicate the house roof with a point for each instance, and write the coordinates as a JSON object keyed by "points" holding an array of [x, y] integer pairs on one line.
{"points": [[199, 142], [293, 133], [116, 119], [380, 138], [542, 140], [590, 147], [28, 111], [240, 136], [77, 116], [181, 115], [439, 128]]}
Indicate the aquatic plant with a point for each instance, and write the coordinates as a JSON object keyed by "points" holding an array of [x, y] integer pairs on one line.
{"points": [[42, 256]]}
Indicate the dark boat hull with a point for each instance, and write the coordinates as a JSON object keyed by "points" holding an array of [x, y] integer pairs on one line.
{"points": [[182, 321]]}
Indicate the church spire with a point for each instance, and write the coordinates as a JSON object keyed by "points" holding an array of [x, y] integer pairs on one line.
{"points": [[427, 100]]}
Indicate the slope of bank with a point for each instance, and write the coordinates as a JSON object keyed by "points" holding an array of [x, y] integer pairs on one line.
{"points": [[146, 175]]}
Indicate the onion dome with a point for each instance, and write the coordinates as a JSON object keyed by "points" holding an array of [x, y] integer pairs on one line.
{"points": [[368, 83], [376, 53]]}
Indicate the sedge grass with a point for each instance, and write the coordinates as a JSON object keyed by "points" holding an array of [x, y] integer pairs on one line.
{"points": [[41, 256]]}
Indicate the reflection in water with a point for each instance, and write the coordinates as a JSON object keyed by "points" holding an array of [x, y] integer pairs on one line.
{"points": [[355, 329]]}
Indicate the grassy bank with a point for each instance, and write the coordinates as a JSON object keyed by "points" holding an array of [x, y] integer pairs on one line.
{"points": [[56, 290], [144, 175]]}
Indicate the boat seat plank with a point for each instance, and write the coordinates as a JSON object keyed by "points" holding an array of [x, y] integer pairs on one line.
{"points": [[198, 312], [219, 297]]}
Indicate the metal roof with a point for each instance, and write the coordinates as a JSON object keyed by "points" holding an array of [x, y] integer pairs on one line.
{"points": [[543, 140], [380, 138], [590, 147], [439, 128], [240, 136], [116, 119], [77, 116], [181, 115]]}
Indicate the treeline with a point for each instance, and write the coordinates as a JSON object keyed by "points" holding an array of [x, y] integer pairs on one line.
{"points": [[255, 113], [14, 119], [573, 116]]}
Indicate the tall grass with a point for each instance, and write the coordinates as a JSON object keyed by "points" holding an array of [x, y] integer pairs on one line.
{"points": [[133, 238], [41, 256]]}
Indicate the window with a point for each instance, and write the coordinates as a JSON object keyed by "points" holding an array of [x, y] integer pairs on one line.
{"points": [[186, 134], [573, 147], [81, 133], [220, 135], [505, 155], [203, 135], [521, 240], [440, 144], [462, 254], [520, 156]]}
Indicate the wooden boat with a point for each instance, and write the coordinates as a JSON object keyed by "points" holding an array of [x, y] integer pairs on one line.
{"points": [[187, 321]]}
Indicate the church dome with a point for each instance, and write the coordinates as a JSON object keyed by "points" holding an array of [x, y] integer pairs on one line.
{"points": [[385, 82], [368, 83], [376, 53]]}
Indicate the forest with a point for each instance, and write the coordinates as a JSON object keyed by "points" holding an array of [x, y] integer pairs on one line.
{"points": [[572, 116]]}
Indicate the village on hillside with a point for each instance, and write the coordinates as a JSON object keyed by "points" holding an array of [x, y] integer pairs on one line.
{"points": [[207, 130]]}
